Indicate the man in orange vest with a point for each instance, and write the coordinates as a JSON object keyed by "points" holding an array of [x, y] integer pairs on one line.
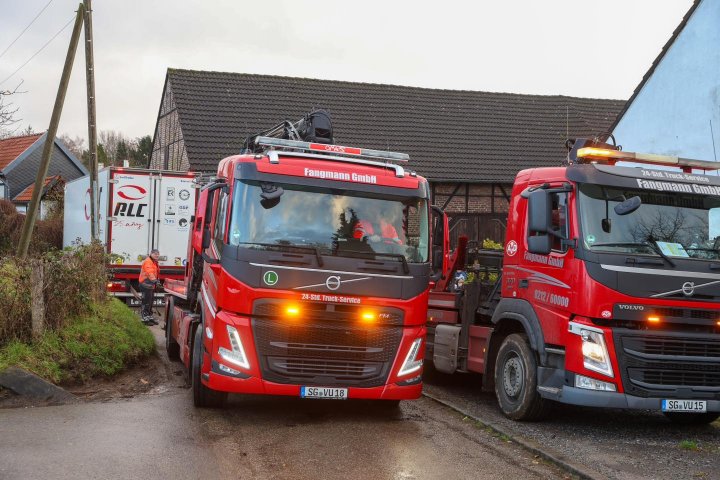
{"points": [[148, 280], [387, 232]]}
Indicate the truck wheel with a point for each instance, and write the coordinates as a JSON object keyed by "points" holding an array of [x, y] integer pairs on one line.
{"points": [[171, 346], [682, 418], [203, 397], [516, 380]]}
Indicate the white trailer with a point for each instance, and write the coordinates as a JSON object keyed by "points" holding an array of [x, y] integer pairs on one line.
{"points": [[139, 210]]}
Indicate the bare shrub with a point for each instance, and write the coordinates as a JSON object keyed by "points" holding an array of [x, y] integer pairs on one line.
{"points": [[47, 235], [73, 282], [15, 321]]}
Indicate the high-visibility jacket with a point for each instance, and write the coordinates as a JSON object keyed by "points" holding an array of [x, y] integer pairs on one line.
{"points": [[149, 270], [365, 229]]}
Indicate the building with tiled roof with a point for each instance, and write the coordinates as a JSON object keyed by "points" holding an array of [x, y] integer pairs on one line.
{"points": [[52, 187], [469, 144], [675, 108], [20, 160]]}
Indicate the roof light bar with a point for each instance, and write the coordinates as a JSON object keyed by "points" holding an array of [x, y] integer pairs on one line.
{"points": [[334, 149], [607, 155]]}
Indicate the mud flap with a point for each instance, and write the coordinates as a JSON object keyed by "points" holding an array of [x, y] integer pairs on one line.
{"points": [[445, 349]]}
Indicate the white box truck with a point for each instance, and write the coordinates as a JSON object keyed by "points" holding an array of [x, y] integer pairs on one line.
{"points": [[139, 210]]}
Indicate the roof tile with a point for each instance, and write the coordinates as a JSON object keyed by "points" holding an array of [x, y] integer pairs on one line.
{"points": [[12, 147], [451, 135]]}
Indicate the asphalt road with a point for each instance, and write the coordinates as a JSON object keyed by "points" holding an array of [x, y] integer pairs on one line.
{"points": [[163, 436], [617, 444]]}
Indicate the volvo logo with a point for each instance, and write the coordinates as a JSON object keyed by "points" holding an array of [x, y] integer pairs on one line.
{"points": [[688, 289], [333, 282]]}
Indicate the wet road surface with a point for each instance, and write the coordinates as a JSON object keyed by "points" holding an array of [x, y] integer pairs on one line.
{"points": [[163, 436]]}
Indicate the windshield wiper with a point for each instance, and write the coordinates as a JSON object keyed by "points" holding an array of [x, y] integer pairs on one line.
{"points": [[651, 245], [358, 254], [288, 248]]}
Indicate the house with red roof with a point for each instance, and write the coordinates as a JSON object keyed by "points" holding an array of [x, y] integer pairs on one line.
{"points": [[19, 163]]}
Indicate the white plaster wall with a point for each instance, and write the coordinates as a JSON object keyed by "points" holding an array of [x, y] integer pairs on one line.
{"points": [[671, 115]]}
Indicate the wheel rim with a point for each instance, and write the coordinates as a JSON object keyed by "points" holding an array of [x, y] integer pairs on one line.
{"points": [[513, 376]]}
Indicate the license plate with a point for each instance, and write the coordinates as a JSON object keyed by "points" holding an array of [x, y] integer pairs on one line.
{"points": [[697, 406], [324, 392], [158, 302]]}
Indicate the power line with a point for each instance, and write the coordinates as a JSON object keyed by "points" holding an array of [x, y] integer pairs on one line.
{"points": [[29, 25], [36, 53]]}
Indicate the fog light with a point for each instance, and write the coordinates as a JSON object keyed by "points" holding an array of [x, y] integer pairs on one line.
{"points": [[229, 370], [581, 381]]}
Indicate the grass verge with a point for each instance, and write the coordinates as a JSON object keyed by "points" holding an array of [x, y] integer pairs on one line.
{"points": [[101, 343]]}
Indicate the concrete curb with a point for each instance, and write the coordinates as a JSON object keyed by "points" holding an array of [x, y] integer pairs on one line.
{"points": [[533, 447], [30, 385]]}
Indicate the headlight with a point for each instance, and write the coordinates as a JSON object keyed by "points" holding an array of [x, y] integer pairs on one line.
{"points": [[594, 350], [412, 363], [581, 381], [237, 355]]}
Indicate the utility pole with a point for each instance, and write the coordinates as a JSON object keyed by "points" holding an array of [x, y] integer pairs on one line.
{"points": [[32, 211], [92, 124]]}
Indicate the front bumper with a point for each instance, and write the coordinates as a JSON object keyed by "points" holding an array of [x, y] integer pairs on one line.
{"points": [[591, 398], [258, 386]]}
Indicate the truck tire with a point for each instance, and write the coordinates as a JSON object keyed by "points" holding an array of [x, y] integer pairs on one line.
{"points": [[516, 380], [203, 397], [171, 346], [683, 418]]}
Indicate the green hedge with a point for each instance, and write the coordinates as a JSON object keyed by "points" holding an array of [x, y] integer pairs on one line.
{"points": [[102, 342]]}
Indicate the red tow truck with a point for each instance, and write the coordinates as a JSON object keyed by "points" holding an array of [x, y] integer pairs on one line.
{"points": [[282, 295], [606, 293]]}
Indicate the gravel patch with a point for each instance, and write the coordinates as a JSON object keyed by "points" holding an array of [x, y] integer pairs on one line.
{"points": [[619, 444]]}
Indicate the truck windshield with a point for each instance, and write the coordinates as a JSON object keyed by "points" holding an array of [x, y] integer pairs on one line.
{"points": [[334, 222], [666, 224]]}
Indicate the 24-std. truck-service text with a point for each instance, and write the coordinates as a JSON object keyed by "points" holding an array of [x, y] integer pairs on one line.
{"points": [[606, 293], [308, 273]]}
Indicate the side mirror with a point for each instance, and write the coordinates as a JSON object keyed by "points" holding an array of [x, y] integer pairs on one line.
{"points": [[628, 206], [539, 212], [540, 244]]}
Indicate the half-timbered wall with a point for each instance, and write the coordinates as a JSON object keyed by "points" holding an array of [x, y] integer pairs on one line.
{"points": [[478, 211], [169, 152]]}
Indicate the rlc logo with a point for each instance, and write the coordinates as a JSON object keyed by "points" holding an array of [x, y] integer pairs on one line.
{"points": [[132, 192]]}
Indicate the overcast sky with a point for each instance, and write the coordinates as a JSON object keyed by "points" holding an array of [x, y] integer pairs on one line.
{"points": [[597, 48]]}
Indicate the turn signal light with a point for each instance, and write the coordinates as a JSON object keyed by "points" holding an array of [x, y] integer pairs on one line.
{"points": [[653, 319], [292, 310], [368, 316]]}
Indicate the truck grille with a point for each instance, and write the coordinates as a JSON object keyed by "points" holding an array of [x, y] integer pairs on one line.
{"points": [[669, 364], [327, 353]]}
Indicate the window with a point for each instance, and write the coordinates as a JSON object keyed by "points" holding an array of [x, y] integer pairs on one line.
{"points": [[559, 220], [220, 220], [335, 222]]}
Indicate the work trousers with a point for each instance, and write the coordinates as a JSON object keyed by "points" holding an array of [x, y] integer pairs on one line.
{"points": [[147, 300]]}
